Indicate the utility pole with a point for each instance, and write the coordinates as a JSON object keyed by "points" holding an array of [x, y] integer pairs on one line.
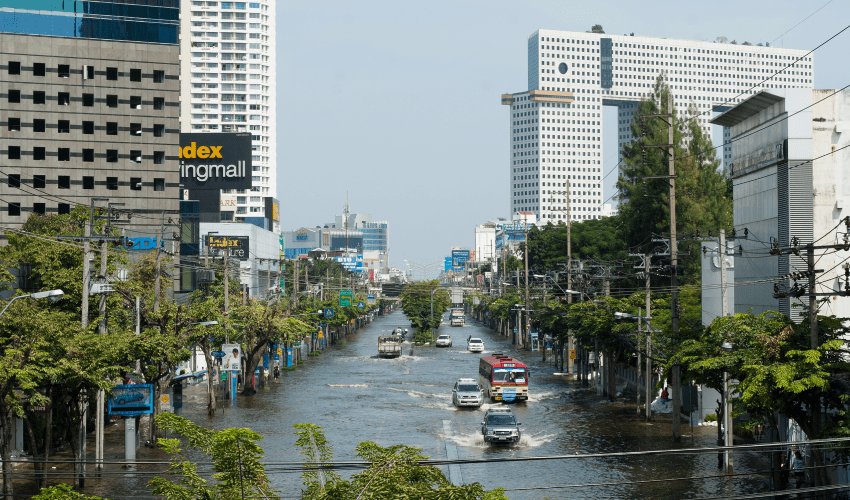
{"points": [[637, 392], [570, 339], [158, 281], [727, 399], [524, 334], [674, 276], [648, 347]]}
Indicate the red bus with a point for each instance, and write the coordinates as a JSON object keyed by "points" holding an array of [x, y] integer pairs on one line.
{"points": [[504, 378]]}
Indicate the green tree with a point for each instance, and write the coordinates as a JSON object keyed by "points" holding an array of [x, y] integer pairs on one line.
{"points": [[234, 453], [703, 201], [416, 304]]}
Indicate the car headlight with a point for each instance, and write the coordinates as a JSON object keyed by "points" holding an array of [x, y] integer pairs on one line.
{"points": [[490, 433]]}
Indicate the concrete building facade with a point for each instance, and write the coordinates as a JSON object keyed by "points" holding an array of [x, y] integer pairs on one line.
{"points": [[791, 183], [228, 65], [556, 124], [89, 108]]}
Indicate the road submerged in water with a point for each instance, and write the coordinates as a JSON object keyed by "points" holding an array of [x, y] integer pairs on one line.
{"points": [[356, 396]]}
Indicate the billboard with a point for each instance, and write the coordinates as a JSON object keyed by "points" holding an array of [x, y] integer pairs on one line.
{"points": [[459, 258], [354, 263], [130, 400], [215, 161], [236, 246], [232, 357]]}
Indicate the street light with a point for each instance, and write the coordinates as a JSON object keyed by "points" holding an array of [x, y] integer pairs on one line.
{"points": [[727, 347], [52, 295]]}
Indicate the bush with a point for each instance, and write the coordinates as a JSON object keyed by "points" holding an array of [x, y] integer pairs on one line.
{"points": [[711, 417]]}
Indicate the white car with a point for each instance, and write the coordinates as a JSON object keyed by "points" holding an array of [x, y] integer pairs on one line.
{"points": [[444, 341], [475, 345]]}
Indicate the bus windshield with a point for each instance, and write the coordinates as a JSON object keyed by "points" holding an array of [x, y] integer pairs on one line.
{"points": [[509, 375]]}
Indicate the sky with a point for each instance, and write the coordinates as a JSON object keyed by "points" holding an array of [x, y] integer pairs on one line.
{"points": [[396, 105]]}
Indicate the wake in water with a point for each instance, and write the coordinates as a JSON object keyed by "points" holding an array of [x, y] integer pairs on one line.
{"points": [[476, 440], [347, 385]]}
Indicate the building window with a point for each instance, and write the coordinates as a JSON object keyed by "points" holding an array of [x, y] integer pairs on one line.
{"points": [[136, 129], [88, 155], [111, 128], [14, 181], [14, 96], [112, 183], [39, 208], [159, 130], [63, 99], [111, 101], [88, 100], [88, 182], [14, 67], [88, 127], [38, 125], [64, 126], [38, 69], [158, 157], [14, 152], [159, 184], [64, 182], [14, 124], [64, 71], [39, 181], [158, 103], [112, 73], [88, 72], [112, 156], [135, 75], [14, 209], [136, 156], [135, 102], [64, 154], [158, 76], [64, 208], [38, 153], [38, 97], [136, 183]]}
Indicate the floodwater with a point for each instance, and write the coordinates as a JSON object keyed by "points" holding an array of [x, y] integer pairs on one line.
{"points": [[356, 396]]}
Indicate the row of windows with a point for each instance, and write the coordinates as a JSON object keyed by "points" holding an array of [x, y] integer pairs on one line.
{"points": [[88, 72], [88, 155], [87, 182], [88, 127], [14, 96]]}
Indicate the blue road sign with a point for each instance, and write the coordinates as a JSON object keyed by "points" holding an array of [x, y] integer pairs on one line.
{"points": [[329, 312], [217, 354], [361, 305]]}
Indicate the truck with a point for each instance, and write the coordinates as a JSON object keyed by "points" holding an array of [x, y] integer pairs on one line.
{"points": [[389, 346], [456, 317]]}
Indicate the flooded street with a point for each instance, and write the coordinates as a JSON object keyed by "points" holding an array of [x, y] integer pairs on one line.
{"points": [[355, 396]]}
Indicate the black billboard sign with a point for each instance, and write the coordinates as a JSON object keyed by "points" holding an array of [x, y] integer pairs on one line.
{"points": [[236, 246], [215, 161]]}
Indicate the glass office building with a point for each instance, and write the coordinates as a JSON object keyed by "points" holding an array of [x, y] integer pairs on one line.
{"points": [[155, 21]]}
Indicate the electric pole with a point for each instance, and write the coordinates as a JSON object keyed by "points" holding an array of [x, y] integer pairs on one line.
{"points": [[570, 339], [524, 333], [674, 285]]}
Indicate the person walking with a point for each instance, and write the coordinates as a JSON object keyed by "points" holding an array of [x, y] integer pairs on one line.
{"points": [[276, 373], [799, 474]]}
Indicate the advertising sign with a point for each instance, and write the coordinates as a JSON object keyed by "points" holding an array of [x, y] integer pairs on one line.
{"points": [[459, 258], [351, 263], [131, 400], [370, 299], [236, 246], [233, 361], [215, 161]]}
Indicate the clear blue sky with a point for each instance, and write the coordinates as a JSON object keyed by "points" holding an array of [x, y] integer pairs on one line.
{"points": [[397, 103]]}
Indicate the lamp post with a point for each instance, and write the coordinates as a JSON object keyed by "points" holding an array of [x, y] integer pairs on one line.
{"points": [[52, 295]]}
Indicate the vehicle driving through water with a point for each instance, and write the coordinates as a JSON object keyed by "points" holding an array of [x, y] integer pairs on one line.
{"points": [[503, 378], [389, 346]]}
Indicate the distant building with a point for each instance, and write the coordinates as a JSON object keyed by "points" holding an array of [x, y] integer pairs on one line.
{"points": [[790, 181]]}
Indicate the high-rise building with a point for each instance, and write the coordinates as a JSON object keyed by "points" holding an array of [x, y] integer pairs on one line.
{"points": [[89, 107], [556, 125], [228, 85]]}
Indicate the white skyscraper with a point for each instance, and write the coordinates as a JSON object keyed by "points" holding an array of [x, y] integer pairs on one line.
{"points": [[227, 83], [556, 125]]}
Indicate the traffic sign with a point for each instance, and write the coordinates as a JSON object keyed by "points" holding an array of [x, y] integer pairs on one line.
{"points": [[345, 302], [329, 312], [572, 354], [346, 297], [218, 354], [361, 305]]}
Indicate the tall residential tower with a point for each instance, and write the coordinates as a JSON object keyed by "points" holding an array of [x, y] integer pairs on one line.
{"points": [[227, 62], [556, 125]]}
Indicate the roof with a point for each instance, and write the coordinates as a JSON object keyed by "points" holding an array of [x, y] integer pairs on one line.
{"points": [[746, 109]]}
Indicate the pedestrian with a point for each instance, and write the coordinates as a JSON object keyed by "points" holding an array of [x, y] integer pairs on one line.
{"points": [[276, 373], [799, 475], [664, 395]]}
